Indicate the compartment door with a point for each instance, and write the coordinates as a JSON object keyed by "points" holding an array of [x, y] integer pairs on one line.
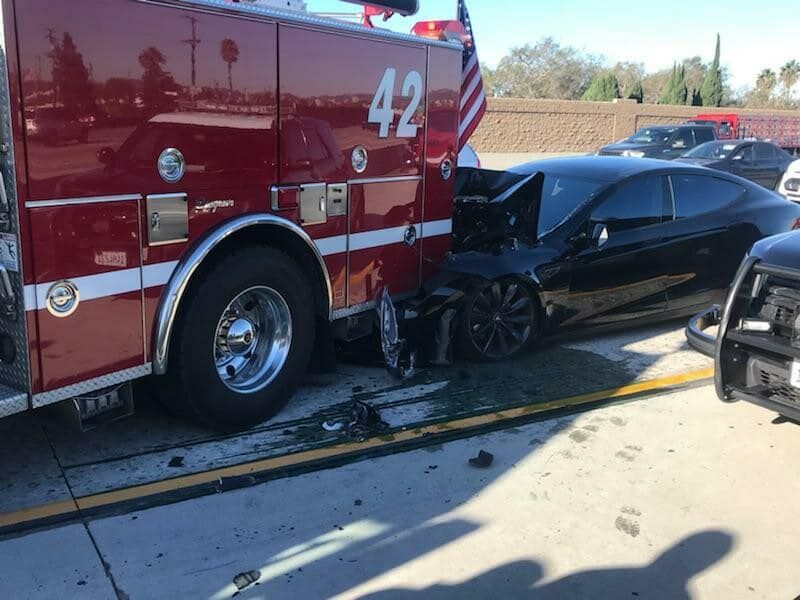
{"points": [[353, 113], [88, 288]]}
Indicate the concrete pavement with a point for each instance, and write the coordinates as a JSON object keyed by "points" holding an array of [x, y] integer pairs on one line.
{"points": [[673, 496]]}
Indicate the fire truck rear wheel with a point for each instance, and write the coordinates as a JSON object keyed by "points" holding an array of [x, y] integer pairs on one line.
{"points": [[243, 339]]}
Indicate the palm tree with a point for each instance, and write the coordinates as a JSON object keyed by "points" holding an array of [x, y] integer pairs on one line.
{"points": [[229, 50], [790, 75], [766, 81]]}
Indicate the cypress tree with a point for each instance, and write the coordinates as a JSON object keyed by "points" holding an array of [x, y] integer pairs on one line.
{"points": [[604, 88], [711, 90]]}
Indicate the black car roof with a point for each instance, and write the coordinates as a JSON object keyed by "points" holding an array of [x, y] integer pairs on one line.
{"points": [[605, 168]]}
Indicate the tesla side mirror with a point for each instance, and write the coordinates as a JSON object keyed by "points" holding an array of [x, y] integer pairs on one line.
{"points": [[599, 235], [105, 155]]}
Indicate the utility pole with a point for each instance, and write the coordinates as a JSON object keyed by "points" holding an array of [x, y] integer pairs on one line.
{"points": [[193, 42]]}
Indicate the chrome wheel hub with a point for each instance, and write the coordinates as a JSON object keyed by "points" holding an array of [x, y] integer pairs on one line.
{"points": [[252, 339]]}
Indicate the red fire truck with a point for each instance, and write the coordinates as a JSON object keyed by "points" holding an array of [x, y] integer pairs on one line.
{"points": [[782, 130], [208, 191]]}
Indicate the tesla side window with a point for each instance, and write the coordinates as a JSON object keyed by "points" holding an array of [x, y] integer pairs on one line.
{"points": [[635, 203], [698, 194]]}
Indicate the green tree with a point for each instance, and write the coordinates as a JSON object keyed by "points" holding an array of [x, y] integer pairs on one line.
{"points": [[712, 88], [545, 69], [675, 91], [604, 88], [696, 98], [636, 92], [789, 76]]}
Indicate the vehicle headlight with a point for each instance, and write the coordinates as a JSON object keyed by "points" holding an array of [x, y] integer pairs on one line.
{"points": [[633, 153]]}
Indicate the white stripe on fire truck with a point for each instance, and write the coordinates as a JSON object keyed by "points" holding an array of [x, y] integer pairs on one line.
{"points": [[103, 285], [124, 281]]}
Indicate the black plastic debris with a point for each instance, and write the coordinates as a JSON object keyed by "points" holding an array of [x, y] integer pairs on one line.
{"points": [[248, 578], [175, 462], [400, 358], [365, 421], [483, 460], [226, 484]]}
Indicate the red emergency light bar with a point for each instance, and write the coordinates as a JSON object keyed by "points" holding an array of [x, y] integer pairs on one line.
{"points": [[445, 31], [400, 7]]}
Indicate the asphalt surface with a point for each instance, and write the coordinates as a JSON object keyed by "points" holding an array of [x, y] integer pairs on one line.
{"points": [[45, 462], [673, 496]]}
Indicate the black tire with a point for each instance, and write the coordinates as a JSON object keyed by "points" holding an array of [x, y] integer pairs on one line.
{"points": [[498, 320], [194, 388]]}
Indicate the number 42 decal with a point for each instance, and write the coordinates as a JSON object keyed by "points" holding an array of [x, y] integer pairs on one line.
{"points": [[381, 111]]}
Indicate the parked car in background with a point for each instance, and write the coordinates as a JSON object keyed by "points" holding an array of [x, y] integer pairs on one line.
{"points": [[789, 186], [661, 141], [755, 350], [569, 243], [54, 125], [760, 162]]}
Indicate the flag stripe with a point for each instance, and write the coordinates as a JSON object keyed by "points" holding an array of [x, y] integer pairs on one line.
{"points": [[473, 98]]}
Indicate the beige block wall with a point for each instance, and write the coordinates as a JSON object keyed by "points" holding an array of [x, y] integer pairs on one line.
{"points": [[518, 125]]}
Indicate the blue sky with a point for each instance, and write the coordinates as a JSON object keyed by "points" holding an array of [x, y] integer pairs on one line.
{"points": [[755, 35]]}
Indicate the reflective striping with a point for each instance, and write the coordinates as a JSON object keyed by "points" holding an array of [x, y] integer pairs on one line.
{"points": [[124, 281], [434, 228], [379, 237], [30, 297], [158, 274], [91, 287], [93, 200], [103, 285], [332, 245]]}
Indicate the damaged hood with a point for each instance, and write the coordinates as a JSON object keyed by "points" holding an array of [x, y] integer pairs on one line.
{"points": [[494, 208]]}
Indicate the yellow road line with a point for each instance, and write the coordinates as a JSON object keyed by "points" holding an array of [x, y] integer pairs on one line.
{"points": [[307, 456]]}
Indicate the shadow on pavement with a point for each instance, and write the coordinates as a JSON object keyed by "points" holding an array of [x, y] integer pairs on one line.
{"points": [[665, 578]]}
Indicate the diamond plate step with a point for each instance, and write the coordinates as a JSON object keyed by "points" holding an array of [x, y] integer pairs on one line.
{"points": [[12, 401]]}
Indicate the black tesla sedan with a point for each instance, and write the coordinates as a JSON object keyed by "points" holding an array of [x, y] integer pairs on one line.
{"points": [[557, 245], [761, 162]]}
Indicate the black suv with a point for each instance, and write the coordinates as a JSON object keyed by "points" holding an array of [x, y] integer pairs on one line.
{"points": [[661, 141], [757, 347]]}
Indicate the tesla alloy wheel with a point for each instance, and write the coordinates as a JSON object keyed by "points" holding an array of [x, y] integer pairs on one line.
{"points": [[242, 340], [498, 321]]}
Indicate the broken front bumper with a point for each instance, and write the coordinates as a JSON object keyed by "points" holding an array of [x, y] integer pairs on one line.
{"points": [[696, 334]]}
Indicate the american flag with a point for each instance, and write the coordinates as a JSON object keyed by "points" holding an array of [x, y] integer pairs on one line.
{"points": [[473, 99]]}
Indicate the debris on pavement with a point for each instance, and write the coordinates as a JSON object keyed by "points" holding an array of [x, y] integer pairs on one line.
{"points": [[483, 460], [365, 420], [243, 580], [175, 462], [226, 484]]}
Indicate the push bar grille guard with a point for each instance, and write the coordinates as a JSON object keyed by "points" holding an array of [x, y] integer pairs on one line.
{"points": [[758, 337]]}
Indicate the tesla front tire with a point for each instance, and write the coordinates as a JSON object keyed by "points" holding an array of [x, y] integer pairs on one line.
{"points": [[498, 321]]}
